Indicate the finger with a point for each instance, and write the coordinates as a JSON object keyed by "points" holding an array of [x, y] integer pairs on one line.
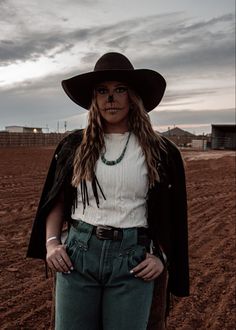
{"points": [[140, 266], [144, 272], [143, 265], [58, 259], [67, 260], [151, 278], [55, 264], [152, 266], [61, 265], [151, 275], [51, 265], [152, 263]]}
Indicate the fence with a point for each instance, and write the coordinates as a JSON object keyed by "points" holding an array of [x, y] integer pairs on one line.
{"points": [[30, 139]]}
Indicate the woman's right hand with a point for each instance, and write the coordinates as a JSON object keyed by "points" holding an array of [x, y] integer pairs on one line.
{"points": [[57, 258]]}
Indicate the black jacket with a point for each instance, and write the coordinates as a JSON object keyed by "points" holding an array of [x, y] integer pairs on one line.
{"points": [[166, 205]]}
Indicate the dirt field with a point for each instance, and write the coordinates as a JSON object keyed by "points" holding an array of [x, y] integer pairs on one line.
{"points": [[26, 295]]}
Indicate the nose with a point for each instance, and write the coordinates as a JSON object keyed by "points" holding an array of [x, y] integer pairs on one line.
{"points": [[110, 98]]}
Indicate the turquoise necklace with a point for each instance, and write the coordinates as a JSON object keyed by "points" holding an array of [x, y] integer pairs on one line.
{"points": [[119, 159]]}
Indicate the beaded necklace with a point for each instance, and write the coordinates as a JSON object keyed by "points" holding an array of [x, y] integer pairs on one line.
{"points": [[119, 159]]}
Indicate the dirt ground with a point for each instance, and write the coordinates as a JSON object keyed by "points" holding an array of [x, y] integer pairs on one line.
{"points": [[26, 295]]}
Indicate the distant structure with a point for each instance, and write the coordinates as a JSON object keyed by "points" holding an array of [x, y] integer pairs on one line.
{"points": [[180, 137], [23, 129], [223, 136]]}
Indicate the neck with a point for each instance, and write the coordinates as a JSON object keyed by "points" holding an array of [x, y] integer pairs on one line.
{"points": [[115, 129]]}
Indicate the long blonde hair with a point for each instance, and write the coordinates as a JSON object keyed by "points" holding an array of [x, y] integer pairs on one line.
{"points": [[93, 142]]}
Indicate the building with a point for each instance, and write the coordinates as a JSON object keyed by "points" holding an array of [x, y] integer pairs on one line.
{"points": [[199, 144], [23, 129], [179, 136], [223, 136]]}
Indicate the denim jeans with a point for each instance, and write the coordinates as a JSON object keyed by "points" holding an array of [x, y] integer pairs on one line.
{"points": [[101, 293]]}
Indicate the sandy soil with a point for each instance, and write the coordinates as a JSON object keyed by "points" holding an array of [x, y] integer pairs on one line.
{"points": [[26, 295]]}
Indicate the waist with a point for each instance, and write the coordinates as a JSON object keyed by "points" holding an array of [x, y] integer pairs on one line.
{"points": [[112, 233]]}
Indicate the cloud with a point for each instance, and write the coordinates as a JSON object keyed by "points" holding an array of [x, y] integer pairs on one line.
{"points": [[36, 108], [197, 117], [177, 44], [29, 32], [187, 51], [173, 96], [184, 47], [36, 45]]}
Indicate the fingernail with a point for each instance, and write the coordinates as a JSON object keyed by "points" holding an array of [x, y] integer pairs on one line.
{"points": [[72, 268], [131, 271], [68, 272]]}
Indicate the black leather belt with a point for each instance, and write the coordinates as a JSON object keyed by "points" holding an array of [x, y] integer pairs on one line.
{"points": [[106, 232], [116, 234], [112, 233]]}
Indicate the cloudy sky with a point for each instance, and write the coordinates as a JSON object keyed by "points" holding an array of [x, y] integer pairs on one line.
{"points": [[190, 42]]}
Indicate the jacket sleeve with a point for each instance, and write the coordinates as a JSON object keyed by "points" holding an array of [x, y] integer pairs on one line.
{"points": [[179, 265], [36, 247]]}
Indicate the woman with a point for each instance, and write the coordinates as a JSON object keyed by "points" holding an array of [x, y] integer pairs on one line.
{"points": [[121, 189]]}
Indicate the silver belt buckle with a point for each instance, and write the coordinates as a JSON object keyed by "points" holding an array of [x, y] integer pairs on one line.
{"points": [[100, 230]]}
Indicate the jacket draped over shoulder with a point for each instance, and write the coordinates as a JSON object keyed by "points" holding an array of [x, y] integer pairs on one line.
{"points": [[166, 207]]}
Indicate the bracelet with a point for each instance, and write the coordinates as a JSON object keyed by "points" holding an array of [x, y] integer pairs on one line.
{"points": [[51, 238]]}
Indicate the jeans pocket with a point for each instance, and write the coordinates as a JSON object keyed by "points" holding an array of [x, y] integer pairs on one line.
{"points": [[72, 249], [73, 246], [136, 255]]}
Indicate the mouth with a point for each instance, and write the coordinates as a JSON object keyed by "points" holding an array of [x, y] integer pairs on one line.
{"points": [[112, 110]]}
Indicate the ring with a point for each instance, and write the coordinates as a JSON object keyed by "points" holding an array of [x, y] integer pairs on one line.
{"points": [[59, 259]]}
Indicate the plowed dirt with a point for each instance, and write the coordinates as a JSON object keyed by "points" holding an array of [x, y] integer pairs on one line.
{"points": [[25, 294]]}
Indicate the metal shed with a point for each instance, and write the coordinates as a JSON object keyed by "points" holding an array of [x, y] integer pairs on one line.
{"points": [[23, 129], [223, 136]]}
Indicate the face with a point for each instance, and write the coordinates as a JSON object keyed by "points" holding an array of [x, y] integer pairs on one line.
{"points": [[113, 104]]}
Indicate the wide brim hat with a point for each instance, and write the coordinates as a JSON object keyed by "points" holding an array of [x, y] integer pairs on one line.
{"points": [[148, 84]]}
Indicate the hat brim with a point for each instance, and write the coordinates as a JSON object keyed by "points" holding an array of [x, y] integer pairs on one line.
{"points": [[148, 84]]}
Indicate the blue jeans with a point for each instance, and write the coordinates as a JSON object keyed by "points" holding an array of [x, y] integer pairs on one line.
{"points": [[101, 293]]}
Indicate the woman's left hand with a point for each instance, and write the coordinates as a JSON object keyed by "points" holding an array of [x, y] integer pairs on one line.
{"points": [[148, 269]]}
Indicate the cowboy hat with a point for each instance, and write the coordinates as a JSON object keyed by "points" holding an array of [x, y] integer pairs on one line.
{"points": [[148, 84]]}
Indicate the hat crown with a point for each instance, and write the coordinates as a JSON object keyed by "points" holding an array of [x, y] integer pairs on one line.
{"points": [[113, 61]]}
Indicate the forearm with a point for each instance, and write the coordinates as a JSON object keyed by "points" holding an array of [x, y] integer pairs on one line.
{"points": [[54, 221], [57, 257]]}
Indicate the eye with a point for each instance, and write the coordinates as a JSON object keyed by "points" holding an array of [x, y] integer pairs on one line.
{"points": [[101, 90], [121, 89]]}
